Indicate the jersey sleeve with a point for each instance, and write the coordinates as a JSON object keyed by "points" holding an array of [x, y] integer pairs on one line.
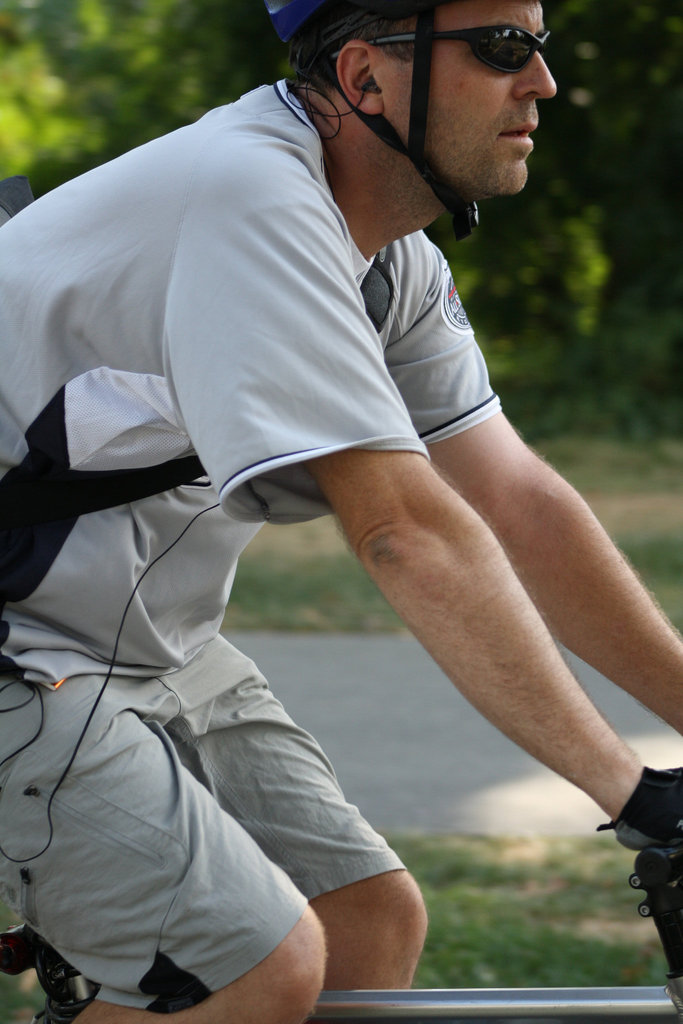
{"points": [[431, 352], [270, 354]]}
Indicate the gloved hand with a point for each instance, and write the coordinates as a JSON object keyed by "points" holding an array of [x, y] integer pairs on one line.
{"points": [[653, 816]]}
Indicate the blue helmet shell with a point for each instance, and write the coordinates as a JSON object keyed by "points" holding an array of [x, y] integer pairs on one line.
{"points": [[288, 16]]}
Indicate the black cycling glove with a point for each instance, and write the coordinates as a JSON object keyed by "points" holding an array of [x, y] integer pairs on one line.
{"points": [[653, 816]]}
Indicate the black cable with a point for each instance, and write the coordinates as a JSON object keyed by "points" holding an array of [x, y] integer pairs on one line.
{"points": [[35, 692], [91, 714], [17, 707]]}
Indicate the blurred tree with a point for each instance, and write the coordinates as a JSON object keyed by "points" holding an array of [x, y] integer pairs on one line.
{"points": [[120, 72], [33, 114], [575, 285]]}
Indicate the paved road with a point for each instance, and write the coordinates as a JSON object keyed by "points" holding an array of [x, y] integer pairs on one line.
{"points": [[414, 755]]}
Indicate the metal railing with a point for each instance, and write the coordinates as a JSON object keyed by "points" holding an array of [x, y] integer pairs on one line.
{"points": [[640, 1005]]}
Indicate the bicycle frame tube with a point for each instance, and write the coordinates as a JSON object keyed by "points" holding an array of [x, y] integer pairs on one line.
{"points": [[641, 1005]]}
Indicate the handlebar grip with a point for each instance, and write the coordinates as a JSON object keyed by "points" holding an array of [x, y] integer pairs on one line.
{"points": [[659, 865]]}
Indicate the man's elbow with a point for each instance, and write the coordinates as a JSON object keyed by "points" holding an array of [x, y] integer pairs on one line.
{"points": [[440, 533], [384, 545]]}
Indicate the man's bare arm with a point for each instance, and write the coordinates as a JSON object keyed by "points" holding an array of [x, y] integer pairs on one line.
{"points": [[590, 597], [448, 578]]}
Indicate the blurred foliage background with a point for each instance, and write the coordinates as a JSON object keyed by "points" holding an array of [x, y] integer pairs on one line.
{"points": [[575, 287]]}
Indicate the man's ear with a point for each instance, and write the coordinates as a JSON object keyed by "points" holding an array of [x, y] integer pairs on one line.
{"points": [[356, 65]]}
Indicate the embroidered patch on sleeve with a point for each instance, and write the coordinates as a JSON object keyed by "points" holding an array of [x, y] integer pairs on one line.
{"points": [[452, 308]]}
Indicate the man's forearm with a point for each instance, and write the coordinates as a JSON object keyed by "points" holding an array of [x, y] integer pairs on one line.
{"points": [[476, 621], [590, 598], [593, 601], [448, 578]]}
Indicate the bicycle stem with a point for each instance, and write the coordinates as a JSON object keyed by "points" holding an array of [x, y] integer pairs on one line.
{"points": [[659, 871]]}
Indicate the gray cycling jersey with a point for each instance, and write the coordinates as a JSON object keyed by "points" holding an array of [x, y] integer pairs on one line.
{"points": [[199, 294]]}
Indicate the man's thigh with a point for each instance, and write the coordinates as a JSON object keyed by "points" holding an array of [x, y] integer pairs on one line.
{"points": [[129, 868], [273, 778]]}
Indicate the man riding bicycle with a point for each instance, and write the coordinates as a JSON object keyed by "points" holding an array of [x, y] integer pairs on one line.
{"points": [[254, 293]]}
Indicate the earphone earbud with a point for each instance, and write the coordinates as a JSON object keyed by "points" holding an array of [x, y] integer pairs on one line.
{"points": [[370, 86]]}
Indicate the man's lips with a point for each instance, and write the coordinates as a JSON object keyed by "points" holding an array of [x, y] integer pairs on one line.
{"points": [[522, 131]]}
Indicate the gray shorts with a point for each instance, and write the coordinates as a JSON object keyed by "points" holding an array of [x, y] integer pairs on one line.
{"points": [[188, 834]]}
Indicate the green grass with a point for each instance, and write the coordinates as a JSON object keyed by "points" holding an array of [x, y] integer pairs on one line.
{"points": [[598, 464], [659, 560], [332, 593], [510, 914], [531, 913]]}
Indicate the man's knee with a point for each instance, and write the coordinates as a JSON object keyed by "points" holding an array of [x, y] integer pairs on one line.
{"points": [[375, 931], [399, 905], [297, 967], [389, 900], [285, 986]]}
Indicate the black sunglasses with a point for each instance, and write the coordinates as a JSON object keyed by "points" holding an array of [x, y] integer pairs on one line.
{"points": [[502, 47]]}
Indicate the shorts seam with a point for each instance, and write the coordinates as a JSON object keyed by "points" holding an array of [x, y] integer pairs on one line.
{"points": [[120, 837]]}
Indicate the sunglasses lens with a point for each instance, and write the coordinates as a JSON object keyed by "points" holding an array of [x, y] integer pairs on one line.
{"points": [[506, 48]]}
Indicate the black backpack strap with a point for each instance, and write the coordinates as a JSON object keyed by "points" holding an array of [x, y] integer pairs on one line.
{"points": [[377, 290], [46, 499], [33, 500], [15, 194]]}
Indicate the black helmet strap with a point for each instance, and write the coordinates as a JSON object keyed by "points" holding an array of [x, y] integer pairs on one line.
{"points": [[419, 98], [465, 215]]}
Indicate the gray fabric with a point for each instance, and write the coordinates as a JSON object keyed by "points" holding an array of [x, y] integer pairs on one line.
{"points": [[188, 829], [181, 308]]}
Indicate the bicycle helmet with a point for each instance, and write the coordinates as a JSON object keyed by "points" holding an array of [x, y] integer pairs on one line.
{"points": [[289, 16]]}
